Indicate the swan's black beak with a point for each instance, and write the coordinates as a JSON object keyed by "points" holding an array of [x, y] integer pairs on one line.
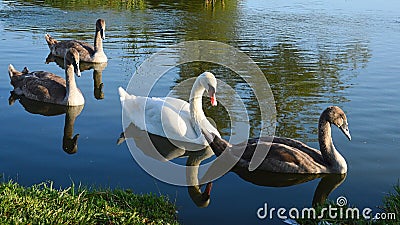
{"points": [[102, 33], [345, 129], [76, 69], [211, 94]]}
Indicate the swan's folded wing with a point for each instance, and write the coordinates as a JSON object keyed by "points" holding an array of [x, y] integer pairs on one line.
{"points": [[288, 159], [298, 145], [44, 90], [166, 117], [176, 104], [176, 120]]}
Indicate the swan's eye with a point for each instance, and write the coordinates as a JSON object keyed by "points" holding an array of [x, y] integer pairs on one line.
{"points": [[211, 89], [340, 122]]}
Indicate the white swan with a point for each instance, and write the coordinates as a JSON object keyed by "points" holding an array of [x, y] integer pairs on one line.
{"points": [[171, 117]]}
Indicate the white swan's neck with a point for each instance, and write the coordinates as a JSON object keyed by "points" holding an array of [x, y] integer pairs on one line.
{"points": [[73, 95], [334, 160], [196, 107], [98, 42]]}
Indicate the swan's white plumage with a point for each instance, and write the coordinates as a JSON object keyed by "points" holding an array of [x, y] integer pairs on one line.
{"points": [[166, 117]]}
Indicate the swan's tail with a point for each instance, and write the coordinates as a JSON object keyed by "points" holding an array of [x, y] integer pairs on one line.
{"points": [[12, 71], [123, 95], [50, 40]]}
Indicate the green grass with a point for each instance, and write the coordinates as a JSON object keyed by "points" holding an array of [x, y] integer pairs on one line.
{"points": [[43, 204], [391, 205]]}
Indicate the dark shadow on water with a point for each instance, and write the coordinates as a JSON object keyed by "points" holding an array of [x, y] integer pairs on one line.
{"points": [[70, 141], [326, 185], [161, 149]]}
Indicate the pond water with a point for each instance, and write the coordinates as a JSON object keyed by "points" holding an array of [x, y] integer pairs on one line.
{"points": [[313, 54]]}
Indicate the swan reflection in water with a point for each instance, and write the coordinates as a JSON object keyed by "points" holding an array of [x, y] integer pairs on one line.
{"points": [[326, 185], [97, 73], [166, 151], [70, 141]]}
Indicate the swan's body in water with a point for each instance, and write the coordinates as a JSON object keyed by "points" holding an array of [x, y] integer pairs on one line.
{"points": [[47, 87], [87, 52], [286, 155], [171, 117]]}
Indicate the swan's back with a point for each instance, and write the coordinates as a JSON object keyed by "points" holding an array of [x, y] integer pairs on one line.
{"points": [[59, 48], [291, 156], [285, 155], [38, 85], [155, 115]]}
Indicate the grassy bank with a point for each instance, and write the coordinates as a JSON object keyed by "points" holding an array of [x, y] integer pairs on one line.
{"points": [[44, 204]]}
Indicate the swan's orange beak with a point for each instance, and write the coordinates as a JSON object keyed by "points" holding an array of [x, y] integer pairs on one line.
{"points": [[211, 94], [213, 101]]}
